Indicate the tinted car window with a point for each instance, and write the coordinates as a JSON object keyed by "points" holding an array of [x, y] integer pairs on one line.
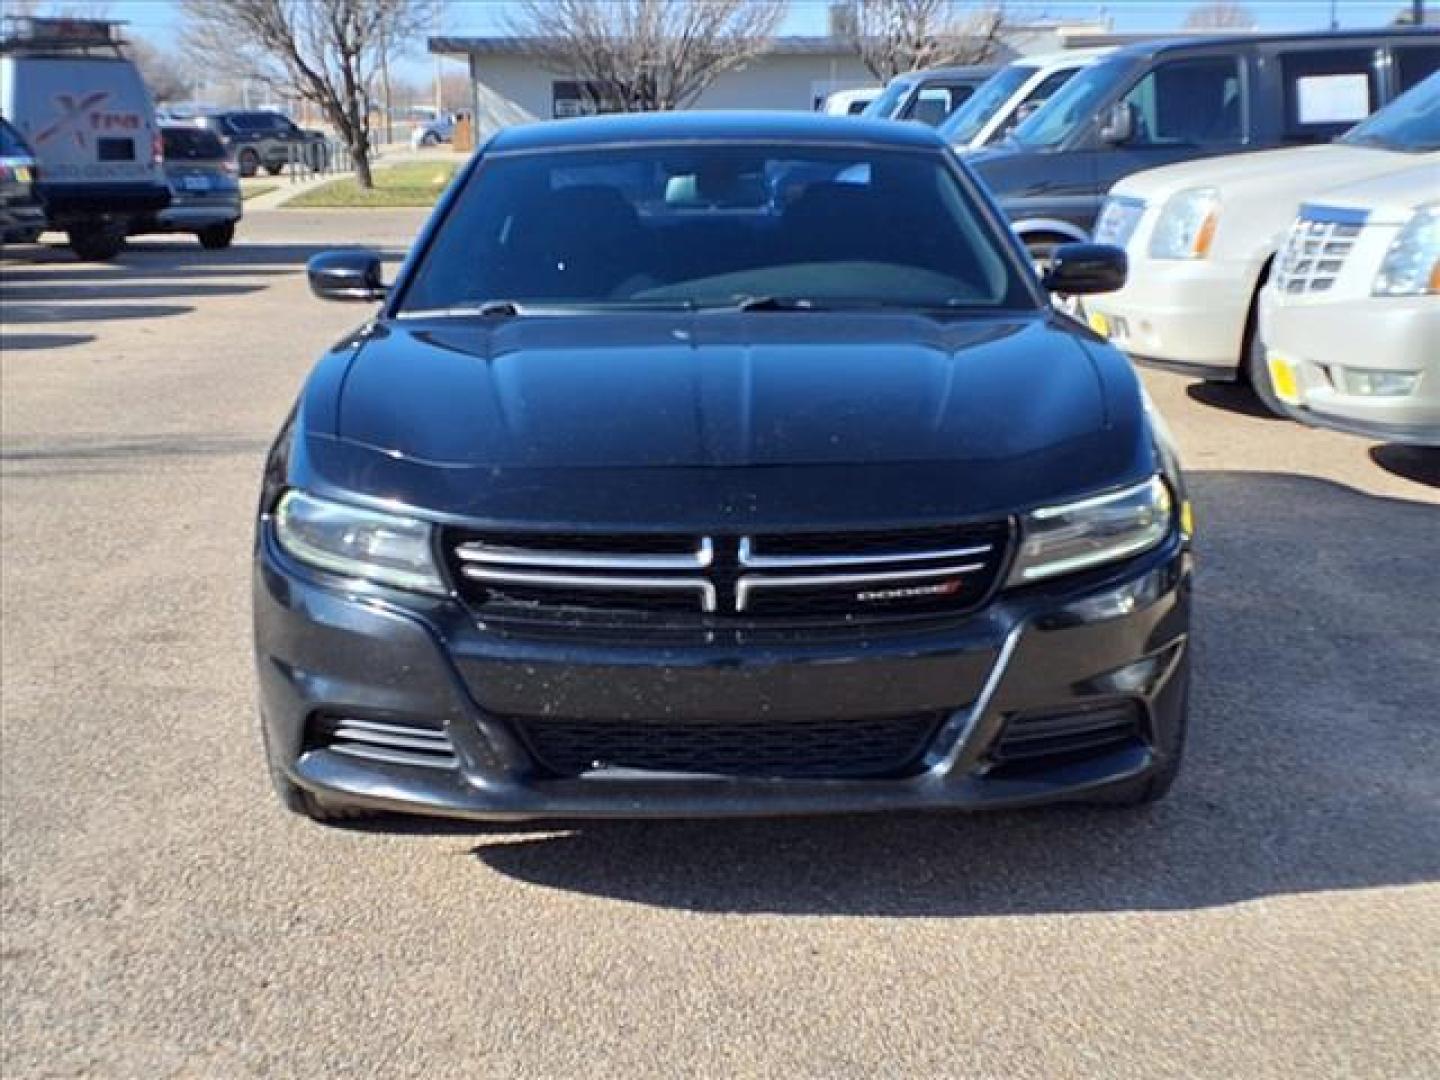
{"points": [[1187, 103], [1327, 90], [709, 225], [191, 144], [1073, 105], [1415, 63], [1410, 123]]}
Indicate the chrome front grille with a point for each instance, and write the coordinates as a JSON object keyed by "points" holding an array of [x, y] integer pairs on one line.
{"points": [[1315, 251], [931, 570]]}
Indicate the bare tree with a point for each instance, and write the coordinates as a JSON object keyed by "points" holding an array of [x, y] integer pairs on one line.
{"points": [[162, 71], [895, 36], [326, 52], [643, 55], [1220, 15]]}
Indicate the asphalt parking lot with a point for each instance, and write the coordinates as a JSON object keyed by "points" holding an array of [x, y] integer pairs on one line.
{"points": [[1279, 915]]}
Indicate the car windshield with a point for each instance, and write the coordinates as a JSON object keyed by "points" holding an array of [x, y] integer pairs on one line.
{"points": [[191, 144], [717, 225], [1074, 104], [890, 100], [965, 122], [1410, 123]]}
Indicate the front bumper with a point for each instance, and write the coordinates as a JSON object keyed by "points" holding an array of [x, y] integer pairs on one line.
{"points": [[1320, 342], [20, 218], [325, 647], [1189, 314]]}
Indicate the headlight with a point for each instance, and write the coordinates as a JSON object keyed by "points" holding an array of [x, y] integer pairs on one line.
{"points": [[1062, 539], [1412, 265], [369, 544], [1118, 217], [1186, 225]]}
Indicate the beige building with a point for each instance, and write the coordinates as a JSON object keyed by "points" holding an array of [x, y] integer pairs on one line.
{"points": [[796, 73]]}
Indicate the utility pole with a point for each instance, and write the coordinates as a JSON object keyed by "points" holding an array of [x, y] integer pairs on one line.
{"points": [[1417, 12]]}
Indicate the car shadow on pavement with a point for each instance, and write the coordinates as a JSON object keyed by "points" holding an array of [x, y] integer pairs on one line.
{"points": [[1311, 763], [1418, 463], [42, 341], [1234, 397]]}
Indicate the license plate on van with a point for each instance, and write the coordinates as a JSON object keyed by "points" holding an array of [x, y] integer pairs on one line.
{"points": [[195, 183]]}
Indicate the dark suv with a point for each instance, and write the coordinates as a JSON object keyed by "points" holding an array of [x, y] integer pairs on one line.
{"points": [[267, 140], [1167, 101], [707, 463]]}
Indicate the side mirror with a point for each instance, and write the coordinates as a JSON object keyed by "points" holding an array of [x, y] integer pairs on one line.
{"points": [[1118, 124], [1083, 269], [346, 275]]}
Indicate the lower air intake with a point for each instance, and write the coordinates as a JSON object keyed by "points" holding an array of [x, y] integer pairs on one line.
{"points": [[789, 749]]}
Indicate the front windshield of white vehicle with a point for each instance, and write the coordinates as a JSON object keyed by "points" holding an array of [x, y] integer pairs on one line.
{"points": [[1074, 104], [1409, 124], [890, 101], [684, 225], [965, 122]]}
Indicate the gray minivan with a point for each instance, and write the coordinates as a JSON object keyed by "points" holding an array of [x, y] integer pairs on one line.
{"points": [[1167, 101]]}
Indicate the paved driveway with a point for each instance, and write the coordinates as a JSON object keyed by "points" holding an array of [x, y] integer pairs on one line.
{"points": [[1279, 915]]}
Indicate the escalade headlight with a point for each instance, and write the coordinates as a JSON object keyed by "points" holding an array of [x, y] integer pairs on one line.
{"points": [[1186, 225], [384, 548], [1412, 264], [1062, 539]]}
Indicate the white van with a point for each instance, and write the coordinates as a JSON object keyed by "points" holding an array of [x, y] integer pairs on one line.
{"points": [[84, 110]]}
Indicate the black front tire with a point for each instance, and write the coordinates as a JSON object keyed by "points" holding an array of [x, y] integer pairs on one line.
{"points": [[276, 169], [216, 237], [249, 162], [96, 243], [299, 801], [1257, 374]]}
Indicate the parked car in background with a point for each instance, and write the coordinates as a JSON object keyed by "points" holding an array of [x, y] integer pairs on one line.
{"points": [[22, 218], [1202, 237], [433, 132], [205, 192], [268, 140], [1350, 319], [1169, 101], [1011, 95], [851, 102], [809, 508], [85, 113], [927, 96]]}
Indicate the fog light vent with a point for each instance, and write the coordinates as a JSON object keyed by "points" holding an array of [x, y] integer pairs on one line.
{"points": [[392, 741], [1033, 740]]}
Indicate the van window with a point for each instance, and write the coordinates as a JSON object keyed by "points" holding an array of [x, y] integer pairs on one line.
{"points": [[934, 103], [1187, 103], [1327, 90], [1415, 63]]}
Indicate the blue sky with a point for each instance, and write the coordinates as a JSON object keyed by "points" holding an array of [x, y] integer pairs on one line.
{"points": [[158, 19]]}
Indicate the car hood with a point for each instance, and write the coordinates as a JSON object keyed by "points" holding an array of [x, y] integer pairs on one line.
{"points": [[1391, 198], [1287, 174], [501, 416]]}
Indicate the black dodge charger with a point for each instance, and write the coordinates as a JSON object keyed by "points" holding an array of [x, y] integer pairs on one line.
{"points": [[708, 464]]}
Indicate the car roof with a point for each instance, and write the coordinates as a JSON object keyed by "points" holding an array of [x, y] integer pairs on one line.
{"points": [[967, 71], [1317, 37], [705, 126]]}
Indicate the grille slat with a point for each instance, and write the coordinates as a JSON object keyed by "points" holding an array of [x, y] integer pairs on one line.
{"points": [[392, 743], [1314, 254], [789, 749], [933, 570]]}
